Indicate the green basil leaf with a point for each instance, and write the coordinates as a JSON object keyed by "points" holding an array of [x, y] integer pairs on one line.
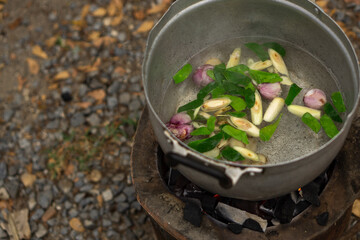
{"points": [[233, 89], [219, 73], [264, 77], [217, 92], [237, 78], [231, 154], [312, 122], [191, 105], [211, 123], [338, 102], [329, 126], [182, 74], [293, 92], [200, 131], [206, 90], [277, 47], [237, 114], [249, 96], [237, 103], [331, 112], [205, 145], [267, 132], [241, 68], [191, 113], [210, 73], [258, 50], [236, 133], [251, 86]]}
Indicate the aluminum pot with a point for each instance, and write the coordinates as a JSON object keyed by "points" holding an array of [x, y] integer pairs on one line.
{"points": [[190, 26]]}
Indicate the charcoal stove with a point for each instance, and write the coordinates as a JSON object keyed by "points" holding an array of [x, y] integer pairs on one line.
{"points": [[166, 209]]}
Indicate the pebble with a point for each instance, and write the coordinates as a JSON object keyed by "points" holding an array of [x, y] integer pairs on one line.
{"points": [[107, 195], [114, 87], [79, 197], [118, 177], [93, 120], [124, 98], [77, 119], [95, 175], [8, 114], [82, 90], [3, 194], [73, 212], [64, 231], [134, 105], [32, 203], [37, 214], [24, 143], [94, 214], [120, 198], [53, 124], [45, 198], [41, 232], [3, 170], [112, 102], [122, 36], [88, 224], [130, 193], [12, 187], [106, 222], [65, 185], [123, 206]]}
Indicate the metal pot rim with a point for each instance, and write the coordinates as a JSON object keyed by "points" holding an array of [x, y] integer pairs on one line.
{"points": [[176, 8]]}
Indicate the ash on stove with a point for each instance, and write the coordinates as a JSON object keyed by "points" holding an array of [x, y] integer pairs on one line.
{"points": [[237, 214]]}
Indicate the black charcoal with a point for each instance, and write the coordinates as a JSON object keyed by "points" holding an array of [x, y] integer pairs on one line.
{"points": [[322, 218], [252, 225], [235, 228], [192, 213]]}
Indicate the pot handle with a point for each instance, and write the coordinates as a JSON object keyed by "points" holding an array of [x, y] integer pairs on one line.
{"points": [[227, 176]]}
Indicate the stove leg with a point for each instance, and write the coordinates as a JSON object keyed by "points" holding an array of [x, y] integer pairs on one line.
{"points": [[160, 234]]}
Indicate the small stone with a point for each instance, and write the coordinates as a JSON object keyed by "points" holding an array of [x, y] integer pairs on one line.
{"points": [[77, 119], [65, 185], [114, 87], [82, 90], [3, 170], [52, 222], [64, 231], [120, 198], [118, 177], [41, 232], [50, 212], [28, 179], [53, 124], [45, 198], [73, 212], [124, 98], [134, 105], [136, 205], [79, 197], [123, 206], [94, 214], [12, 187], [4, 194], [8, 114], [88, 224], [13, 170], [130, 193], [52, 16], [107, 195], [76, 224], [24, 143], [121, 36], [37, 214], [106, 222], [95, 175], [93, 120], [112, 102], [32, 204], [115, 217]]}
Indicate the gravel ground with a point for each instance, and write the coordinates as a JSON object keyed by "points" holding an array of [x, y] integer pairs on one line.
{"points": [[70, 97]]}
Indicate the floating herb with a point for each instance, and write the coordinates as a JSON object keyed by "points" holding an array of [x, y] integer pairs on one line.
{"points": [[277, 47], [293, 92], [191, 105], [200, 131], [210, 73], [264, 77], [329, 126], [338, 102], [237, 103], [331, 112], [267, 132], [241, 68], [219, 73], [231, 154], [217, 92], [205, 145], [237, 78], [206, 90], [249, 96], [237, 114], [312, 122], [211, 123], [258, 50], [236, 133], [182, 74]]}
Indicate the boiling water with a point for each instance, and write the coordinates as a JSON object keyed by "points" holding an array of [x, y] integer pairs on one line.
{"points": [[292, 138]]}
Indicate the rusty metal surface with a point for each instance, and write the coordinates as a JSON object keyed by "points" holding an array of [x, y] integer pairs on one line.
{"points": [[166, 209]]}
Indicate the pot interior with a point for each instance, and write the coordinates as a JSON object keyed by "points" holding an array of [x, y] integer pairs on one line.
{"points": [[318, 56]]}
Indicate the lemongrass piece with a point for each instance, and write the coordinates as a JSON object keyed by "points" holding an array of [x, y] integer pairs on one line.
{"points": [[212, 153], [271, 69], [246, 153], [234, 58], [301, 110], [250, 61], [196, 111], [197, 125], [222, 143], [262, 158], [252, 146], [278, 62], [213, 61], [274, 109], [204, 115], [223, 110], [260, 65], [257, 110], [286, 81], [235, 143], [215, 104], [246, 126]]}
